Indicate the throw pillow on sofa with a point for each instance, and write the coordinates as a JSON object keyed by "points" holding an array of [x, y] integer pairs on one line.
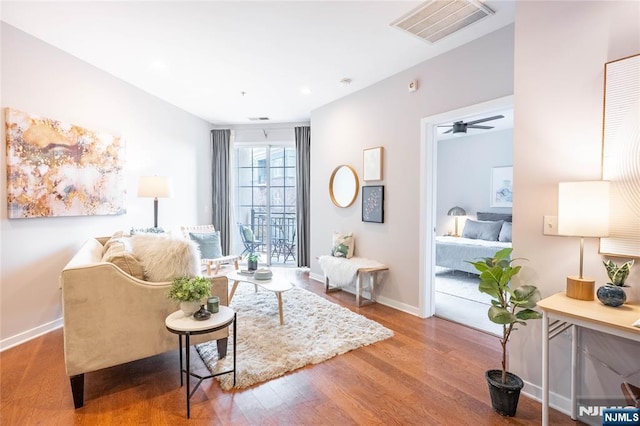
{"points": [[119, 252], [165, 258]]}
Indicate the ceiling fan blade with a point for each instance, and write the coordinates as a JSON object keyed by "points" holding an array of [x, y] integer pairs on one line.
{"points": [[479, 127], [482, 120], [448, 131], [446, 125]]}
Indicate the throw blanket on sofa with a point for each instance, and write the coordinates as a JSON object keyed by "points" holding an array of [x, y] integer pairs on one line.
{"points": [[341, 271]]}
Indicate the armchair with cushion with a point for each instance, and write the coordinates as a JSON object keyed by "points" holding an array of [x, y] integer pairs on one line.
{"points": [[114, 299], [208, 240]]}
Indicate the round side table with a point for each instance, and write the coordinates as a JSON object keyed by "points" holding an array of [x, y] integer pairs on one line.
{"points": [[182, 325]]}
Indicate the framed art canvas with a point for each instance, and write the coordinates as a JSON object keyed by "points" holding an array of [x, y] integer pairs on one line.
{"points": [[59, 169], [372, 163], [373, 203], [502, 186], [621, 155]]}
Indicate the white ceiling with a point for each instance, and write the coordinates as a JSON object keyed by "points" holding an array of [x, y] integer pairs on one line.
{"points": [[201, 56]]}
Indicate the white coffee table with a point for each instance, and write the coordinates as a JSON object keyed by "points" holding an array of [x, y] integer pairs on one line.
{"points": [[276, 285]]}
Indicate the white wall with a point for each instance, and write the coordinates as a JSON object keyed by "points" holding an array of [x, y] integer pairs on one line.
{"points": [[559, 67], [464, 175], [160, 139], [386, 114]]}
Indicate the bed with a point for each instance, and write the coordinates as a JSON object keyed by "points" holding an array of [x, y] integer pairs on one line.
{"points": [[481, 238]]}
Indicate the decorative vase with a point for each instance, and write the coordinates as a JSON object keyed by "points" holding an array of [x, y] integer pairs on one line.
{"points": [[504, 396], [189, 307], [611, 295], [201, 314]]}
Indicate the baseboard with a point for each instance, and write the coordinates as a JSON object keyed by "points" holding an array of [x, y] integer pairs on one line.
{"points": [[556, 401], [413, 310], [25, 336]]}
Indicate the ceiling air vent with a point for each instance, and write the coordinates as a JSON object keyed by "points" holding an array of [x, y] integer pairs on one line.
{"points": [[436, 19], [259, 118]]}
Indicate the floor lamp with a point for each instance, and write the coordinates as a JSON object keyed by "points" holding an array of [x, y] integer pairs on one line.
{"points": [[583, 211], [456, 211], [154, 187]]}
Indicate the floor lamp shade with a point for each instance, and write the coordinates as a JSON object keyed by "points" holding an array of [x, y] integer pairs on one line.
{"points": [[154, 187], [583, 211]]}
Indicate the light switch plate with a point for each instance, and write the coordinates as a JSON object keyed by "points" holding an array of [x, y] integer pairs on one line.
{"points": [[550, 225]]}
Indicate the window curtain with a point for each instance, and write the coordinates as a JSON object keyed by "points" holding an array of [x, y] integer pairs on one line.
{"points": [[303, 188], [220, 185]]}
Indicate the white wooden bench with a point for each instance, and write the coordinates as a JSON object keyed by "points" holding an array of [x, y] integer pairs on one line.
{"points": [[365, 267]]}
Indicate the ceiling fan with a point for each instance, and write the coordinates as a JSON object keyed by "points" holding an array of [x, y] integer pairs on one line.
{"points": [[461, 126]]}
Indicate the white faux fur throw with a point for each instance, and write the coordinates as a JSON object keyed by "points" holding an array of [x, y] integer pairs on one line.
{"points": [[341, 271], [164, 258]]}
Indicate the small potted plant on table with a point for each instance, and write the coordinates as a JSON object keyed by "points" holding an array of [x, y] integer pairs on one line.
{"points": [[189, 291], [612, 293], [252, 261], [508, 308]]}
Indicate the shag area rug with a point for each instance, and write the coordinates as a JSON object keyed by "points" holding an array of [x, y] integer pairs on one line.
{"points": [[314, 330]]}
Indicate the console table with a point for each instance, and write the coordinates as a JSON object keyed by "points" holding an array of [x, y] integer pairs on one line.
{"points": [[182, 325], [560, 313]]}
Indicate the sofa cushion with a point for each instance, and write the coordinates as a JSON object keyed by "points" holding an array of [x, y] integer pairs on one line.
{"points": [[118, 251], [164, 257]]}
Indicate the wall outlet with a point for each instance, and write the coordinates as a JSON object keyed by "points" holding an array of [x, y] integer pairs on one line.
{"points": [[550, 225]]}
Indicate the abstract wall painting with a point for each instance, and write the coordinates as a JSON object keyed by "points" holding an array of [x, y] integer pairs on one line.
{"points": [[59, 169], [621, 155], [373, 203]]}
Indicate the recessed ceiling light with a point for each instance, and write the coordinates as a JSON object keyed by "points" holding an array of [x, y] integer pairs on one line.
{"points": [[305, 91]]}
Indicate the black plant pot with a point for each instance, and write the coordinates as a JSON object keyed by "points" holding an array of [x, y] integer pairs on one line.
{"points": [[504, 396]]}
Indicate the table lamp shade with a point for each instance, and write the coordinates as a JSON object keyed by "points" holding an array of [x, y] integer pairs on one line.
{"points": [[583, 209], [154, 187]]}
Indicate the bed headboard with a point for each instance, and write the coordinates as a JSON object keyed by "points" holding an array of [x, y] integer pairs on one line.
{"points": [[507, 217]]}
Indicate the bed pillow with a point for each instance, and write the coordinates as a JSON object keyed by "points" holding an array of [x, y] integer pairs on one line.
{"points": [[343, 245], [505, 232], [482, 230], [209, 244], [486, 216]]}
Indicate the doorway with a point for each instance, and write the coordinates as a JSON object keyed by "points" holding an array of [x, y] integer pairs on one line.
{"points": [[429, 189]]}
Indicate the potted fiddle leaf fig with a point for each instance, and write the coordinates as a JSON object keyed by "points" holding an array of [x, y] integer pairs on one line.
{"points": [[612, 293], [510, 307]]}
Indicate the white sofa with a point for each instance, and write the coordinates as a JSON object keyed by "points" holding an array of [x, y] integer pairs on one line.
{"points": [[111, 317]]}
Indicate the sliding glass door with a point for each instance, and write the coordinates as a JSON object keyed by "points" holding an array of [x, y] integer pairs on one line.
{"points": [[265, 197]]}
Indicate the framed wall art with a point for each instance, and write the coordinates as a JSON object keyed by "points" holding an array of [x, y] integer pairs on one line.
{"points": [[372, 163], [373, 203], [59, 169], [621, 155], [502, 186]]}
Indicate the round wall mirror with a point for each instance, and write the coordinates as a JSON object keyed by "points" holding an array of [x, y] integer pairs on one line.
{"points": [[343, 186]]}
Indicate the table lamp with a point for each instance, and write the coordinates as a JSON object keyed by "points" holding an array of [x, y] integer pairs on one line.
{"points": [[583, 211], [456, 211], [154, 187]]}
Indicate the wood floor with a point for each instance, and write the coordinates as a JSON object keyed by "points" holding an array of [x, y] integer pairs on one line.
{"points": [[430, 373]]}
